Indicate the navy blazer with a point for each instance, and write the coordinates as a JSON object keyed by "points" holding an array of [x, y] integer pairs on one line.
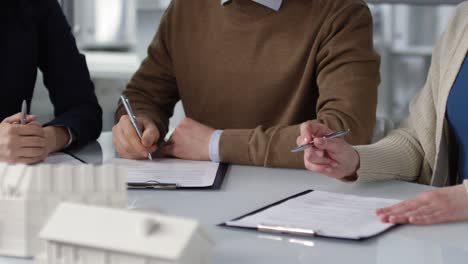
{"points": [[35, 35]]}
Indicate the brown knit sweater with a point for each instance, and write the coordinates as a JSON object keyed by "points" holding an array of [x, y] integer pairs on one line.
{"points": [[257, 73]]}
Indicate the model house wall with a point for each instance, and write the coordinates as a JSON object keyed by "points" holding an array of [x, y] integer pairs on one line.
{"points": [[29, 195]]}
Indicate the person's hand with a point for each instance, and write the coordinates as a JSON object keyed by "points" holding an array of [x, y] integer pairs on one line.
{"points": [[126, 141], [190, 140], [22, 143], [331, 157], [448, 204], [16, 119]]}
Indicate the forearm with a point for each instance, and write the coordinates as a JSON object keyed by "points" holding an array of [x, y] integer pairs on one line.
{"points": [[71, 91], [268, 147], [398, 156], [152, 91], [85, 121], [348, 75]]}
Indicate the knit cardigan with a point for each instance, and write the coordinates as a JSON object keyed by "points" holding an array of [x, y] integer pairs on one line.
{"points": [[418, 151]]}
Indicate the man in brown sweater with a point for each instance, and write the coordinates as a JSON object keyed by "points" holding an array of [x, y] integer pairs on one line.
{"points": [[248, 72]]}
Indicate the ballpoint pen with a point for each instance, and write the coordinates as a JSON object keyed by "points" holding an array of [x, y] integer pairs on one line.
{"points": [[24, 112], [132, 117], [152, 185], [338, 134], [286, 230]]}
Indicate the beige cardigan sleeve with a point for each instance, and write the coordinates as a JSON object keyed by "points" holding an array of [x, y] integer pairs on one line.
{"points": [[403, 153], [466, 185]]}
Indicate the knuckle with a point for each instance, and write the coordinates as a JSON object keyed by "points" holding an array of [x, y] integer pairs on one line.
{"points": [[126, 148], [428, 196], [124, 118], [306, 126]]}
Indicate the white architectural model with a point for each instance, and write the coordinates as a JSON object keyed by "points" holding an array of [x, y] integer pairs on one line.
{"points": [[30, 194], [81, 234]]}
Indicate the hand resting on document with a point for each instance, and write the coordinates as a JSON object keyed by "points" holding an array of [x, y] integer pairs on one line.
{"points": [[189, 141], [448, 204]]}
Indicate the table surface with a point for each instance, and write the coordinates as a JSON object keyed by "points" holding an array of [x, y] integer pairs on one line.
{"points": [[247, 188]]}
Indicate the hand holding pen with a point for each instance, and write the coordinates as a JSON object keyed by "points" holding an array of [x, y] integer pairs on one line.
{"points": [[21, 117], [134, 137], [21, 139], [331, 154], [333, 135]]}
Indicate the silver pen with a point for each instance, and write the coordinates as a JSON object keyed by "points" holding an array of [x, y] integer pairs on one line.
{"points": [[24, 113], [338, 134], [286, 230], [132, 117]]}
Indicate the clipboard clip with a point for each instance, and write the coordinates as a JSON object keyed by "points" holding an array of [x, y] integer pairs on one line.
{"points": [[152, 185], [286, 230]]}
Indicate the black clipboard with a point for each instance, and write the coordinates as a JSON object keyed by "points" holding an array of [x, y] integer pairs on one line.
{"points": [[218, 182], [315, 235]]}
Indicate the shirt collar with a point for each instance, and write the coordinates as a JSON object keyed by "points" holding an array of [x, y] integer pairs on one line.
{"points": [[272, 4]]}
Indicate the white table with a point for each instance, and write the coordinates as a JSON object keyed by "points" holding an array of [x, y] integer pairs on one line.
{"points": [[247, 188]]}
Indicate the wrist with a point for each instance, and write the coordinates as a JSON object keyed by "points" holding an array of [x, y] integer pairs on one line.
{"points": [[353, 176], [56, 138]]}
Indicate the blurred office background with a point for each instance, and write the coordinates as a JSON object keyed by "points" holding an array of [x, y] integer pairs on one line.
{"points": [[114, 35]]}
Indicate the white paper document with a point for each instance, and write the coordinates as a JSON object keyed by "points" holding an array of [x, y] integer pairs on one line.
{"points": [[61, 158], [327, 214], [184, 173]]}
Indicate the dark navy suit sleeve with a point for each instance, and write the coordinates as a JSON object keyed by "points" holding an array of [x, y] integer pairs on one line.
{"points": [[67, 78]]}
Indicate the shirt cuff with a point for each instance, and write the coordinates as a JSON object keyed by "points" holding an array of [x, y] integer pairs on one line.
{"points": [[214, 146], [71, 138]]}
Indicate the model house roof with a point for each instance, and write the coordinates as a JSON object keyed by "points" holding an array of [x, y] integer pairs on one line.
{"points": [[122, 231]]}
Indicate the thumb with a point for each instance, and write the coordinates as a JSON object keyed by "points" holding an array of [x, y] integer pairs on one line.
{"points": [[150, 134], [330, 145]]}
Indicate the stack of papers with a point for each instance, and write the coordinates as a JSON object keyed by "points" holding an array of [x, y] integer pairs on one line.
{"points": [[326, 214], [183, 173]]}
